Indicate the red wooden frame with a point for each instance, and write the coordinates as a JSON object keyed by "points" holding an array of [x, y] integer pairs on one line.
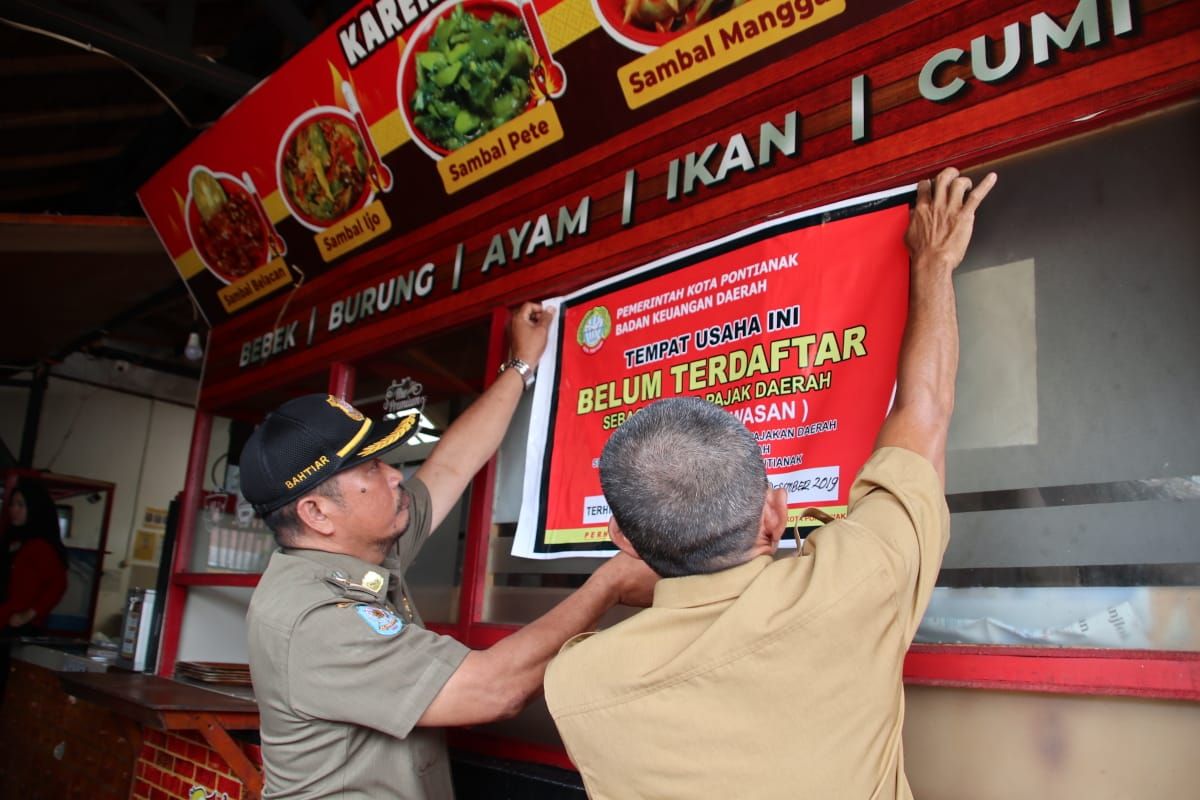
{"points": [[911, 137], [341, 380], [1148, 674], [1130, 673], [189, 507], [479, 522]]}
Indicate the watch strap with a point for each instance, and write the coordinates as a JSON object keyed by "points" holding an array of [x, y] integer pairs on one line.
{"points": [[522, 368]]}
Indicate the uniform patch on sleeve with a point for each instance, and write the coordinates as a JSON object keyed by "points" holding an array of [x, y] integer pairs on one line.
{"points": [[382, 621]]}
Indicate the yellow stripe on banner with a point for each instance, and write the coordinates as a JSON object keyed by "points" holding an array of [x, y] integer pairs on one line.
{"points": [[795, 515], [597, 535], [389, 133], [189, 264], [276, 210], [568, 21]]}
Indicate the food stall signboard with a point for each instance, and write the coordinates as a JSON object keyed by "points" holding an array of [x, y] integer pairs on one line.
{"points": [[793, 326], [400, 113]]}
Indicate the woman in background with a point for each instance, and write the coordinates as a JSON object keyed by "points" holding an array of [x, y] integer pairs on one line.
{"points": [[33, 566], [36, 577]]}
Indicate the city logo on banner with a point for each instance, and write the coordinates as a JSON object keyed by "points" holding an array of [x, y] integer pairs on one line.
{"points": [[594, 328]]}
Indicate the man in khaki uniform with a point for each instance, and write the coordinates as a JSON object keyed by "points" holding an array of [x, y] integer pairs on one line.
{"points": [[352, 689], [751, 677]]}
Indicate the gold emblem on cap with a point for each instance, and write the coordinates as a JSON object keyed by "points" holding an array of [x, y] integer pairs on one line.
{"points": [[401, 429], [373, 581], [347, 409]]}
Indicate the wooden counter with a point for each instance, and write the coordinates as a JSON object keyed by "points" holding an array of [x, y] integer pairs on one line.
{"points": [[52, 745], [171, 706]]}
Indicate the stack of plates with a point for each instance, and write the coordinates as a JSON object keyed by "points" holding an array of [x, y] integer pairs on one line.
{"points": [[214, 672]]}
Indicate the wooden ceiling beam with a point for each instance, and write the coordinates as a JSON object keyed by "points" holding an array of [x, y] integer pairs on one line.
{"points": [[62, 158], [79, 116], [137, 18], [41, 190], [181, 22], [126, 237], [156, 53], [56, 65], [288, 18]]}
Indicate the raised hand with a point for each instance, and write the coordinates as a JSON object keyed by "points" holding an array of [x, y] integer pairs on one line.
{"points": [[528, 332], [940, 226]]}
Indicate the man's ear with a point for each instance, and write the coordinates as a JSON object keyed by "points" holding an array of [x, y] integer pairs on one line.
{"points": [[311, 510], [773, 522], [620, 539]]}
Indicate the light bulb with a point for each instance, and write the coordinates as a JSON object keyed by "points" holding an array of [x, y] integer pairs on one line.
{"points": [[193, 351]]}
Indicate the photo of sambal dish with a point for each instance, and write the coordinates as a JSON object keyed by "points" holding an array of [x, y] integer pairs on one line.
{"points": [[646, 25], [472, 75], [225, 226], [672, 16], [324, 169]]}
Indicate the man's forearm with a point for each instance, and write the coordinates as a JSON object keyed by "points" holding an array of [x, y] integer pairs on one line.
{"points": [[939, 230], [469, 442], [496, 683], [525, 654], [473, 438], [478, 431], [925, 375]]}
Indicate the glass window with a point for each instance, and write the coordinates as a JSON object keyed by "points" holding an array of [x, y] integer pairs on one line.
{"points": [[444, 373], [522, 589], [1074, 452]]}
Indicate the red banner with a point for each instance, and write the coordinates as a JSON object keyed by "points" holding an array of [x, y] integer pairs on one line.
{"points": [[794, 328]]}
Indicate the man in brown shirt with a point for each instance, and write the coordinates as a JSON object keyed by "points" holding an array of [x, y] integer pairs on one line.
{"points": [[352, 689], [751, 677]]}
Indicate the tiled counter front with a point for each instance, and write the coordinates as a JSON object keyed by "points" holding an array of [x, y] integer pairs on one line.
{"points": [[182, 765]]}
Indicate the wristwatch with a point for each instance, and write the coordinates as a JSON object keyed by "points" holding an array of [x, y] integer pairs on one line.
{"points": [[528, 376]]}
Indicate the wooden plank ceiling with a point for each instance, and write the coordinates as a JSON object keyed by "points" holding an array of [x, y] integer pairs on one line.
{"points": [[80, 131]]}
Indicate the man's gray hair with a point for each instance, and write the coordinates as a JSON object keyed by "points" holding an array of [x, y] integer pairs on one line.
{"points": [[686, 483], [284, 521]]}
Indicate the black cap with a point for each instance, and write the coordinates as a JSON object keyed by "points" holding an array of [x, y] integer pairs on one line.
{"points": [[307, 441]]}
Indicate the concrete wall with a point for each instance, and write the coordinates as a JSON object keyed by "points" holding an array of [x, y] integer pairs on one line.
{"points": [[962, 743], [969, 743]]}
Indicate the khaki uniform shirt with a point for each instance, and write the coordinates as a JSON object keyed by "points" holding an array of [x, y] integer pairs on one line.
{"points": [[773, 679], [342, 671]]}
